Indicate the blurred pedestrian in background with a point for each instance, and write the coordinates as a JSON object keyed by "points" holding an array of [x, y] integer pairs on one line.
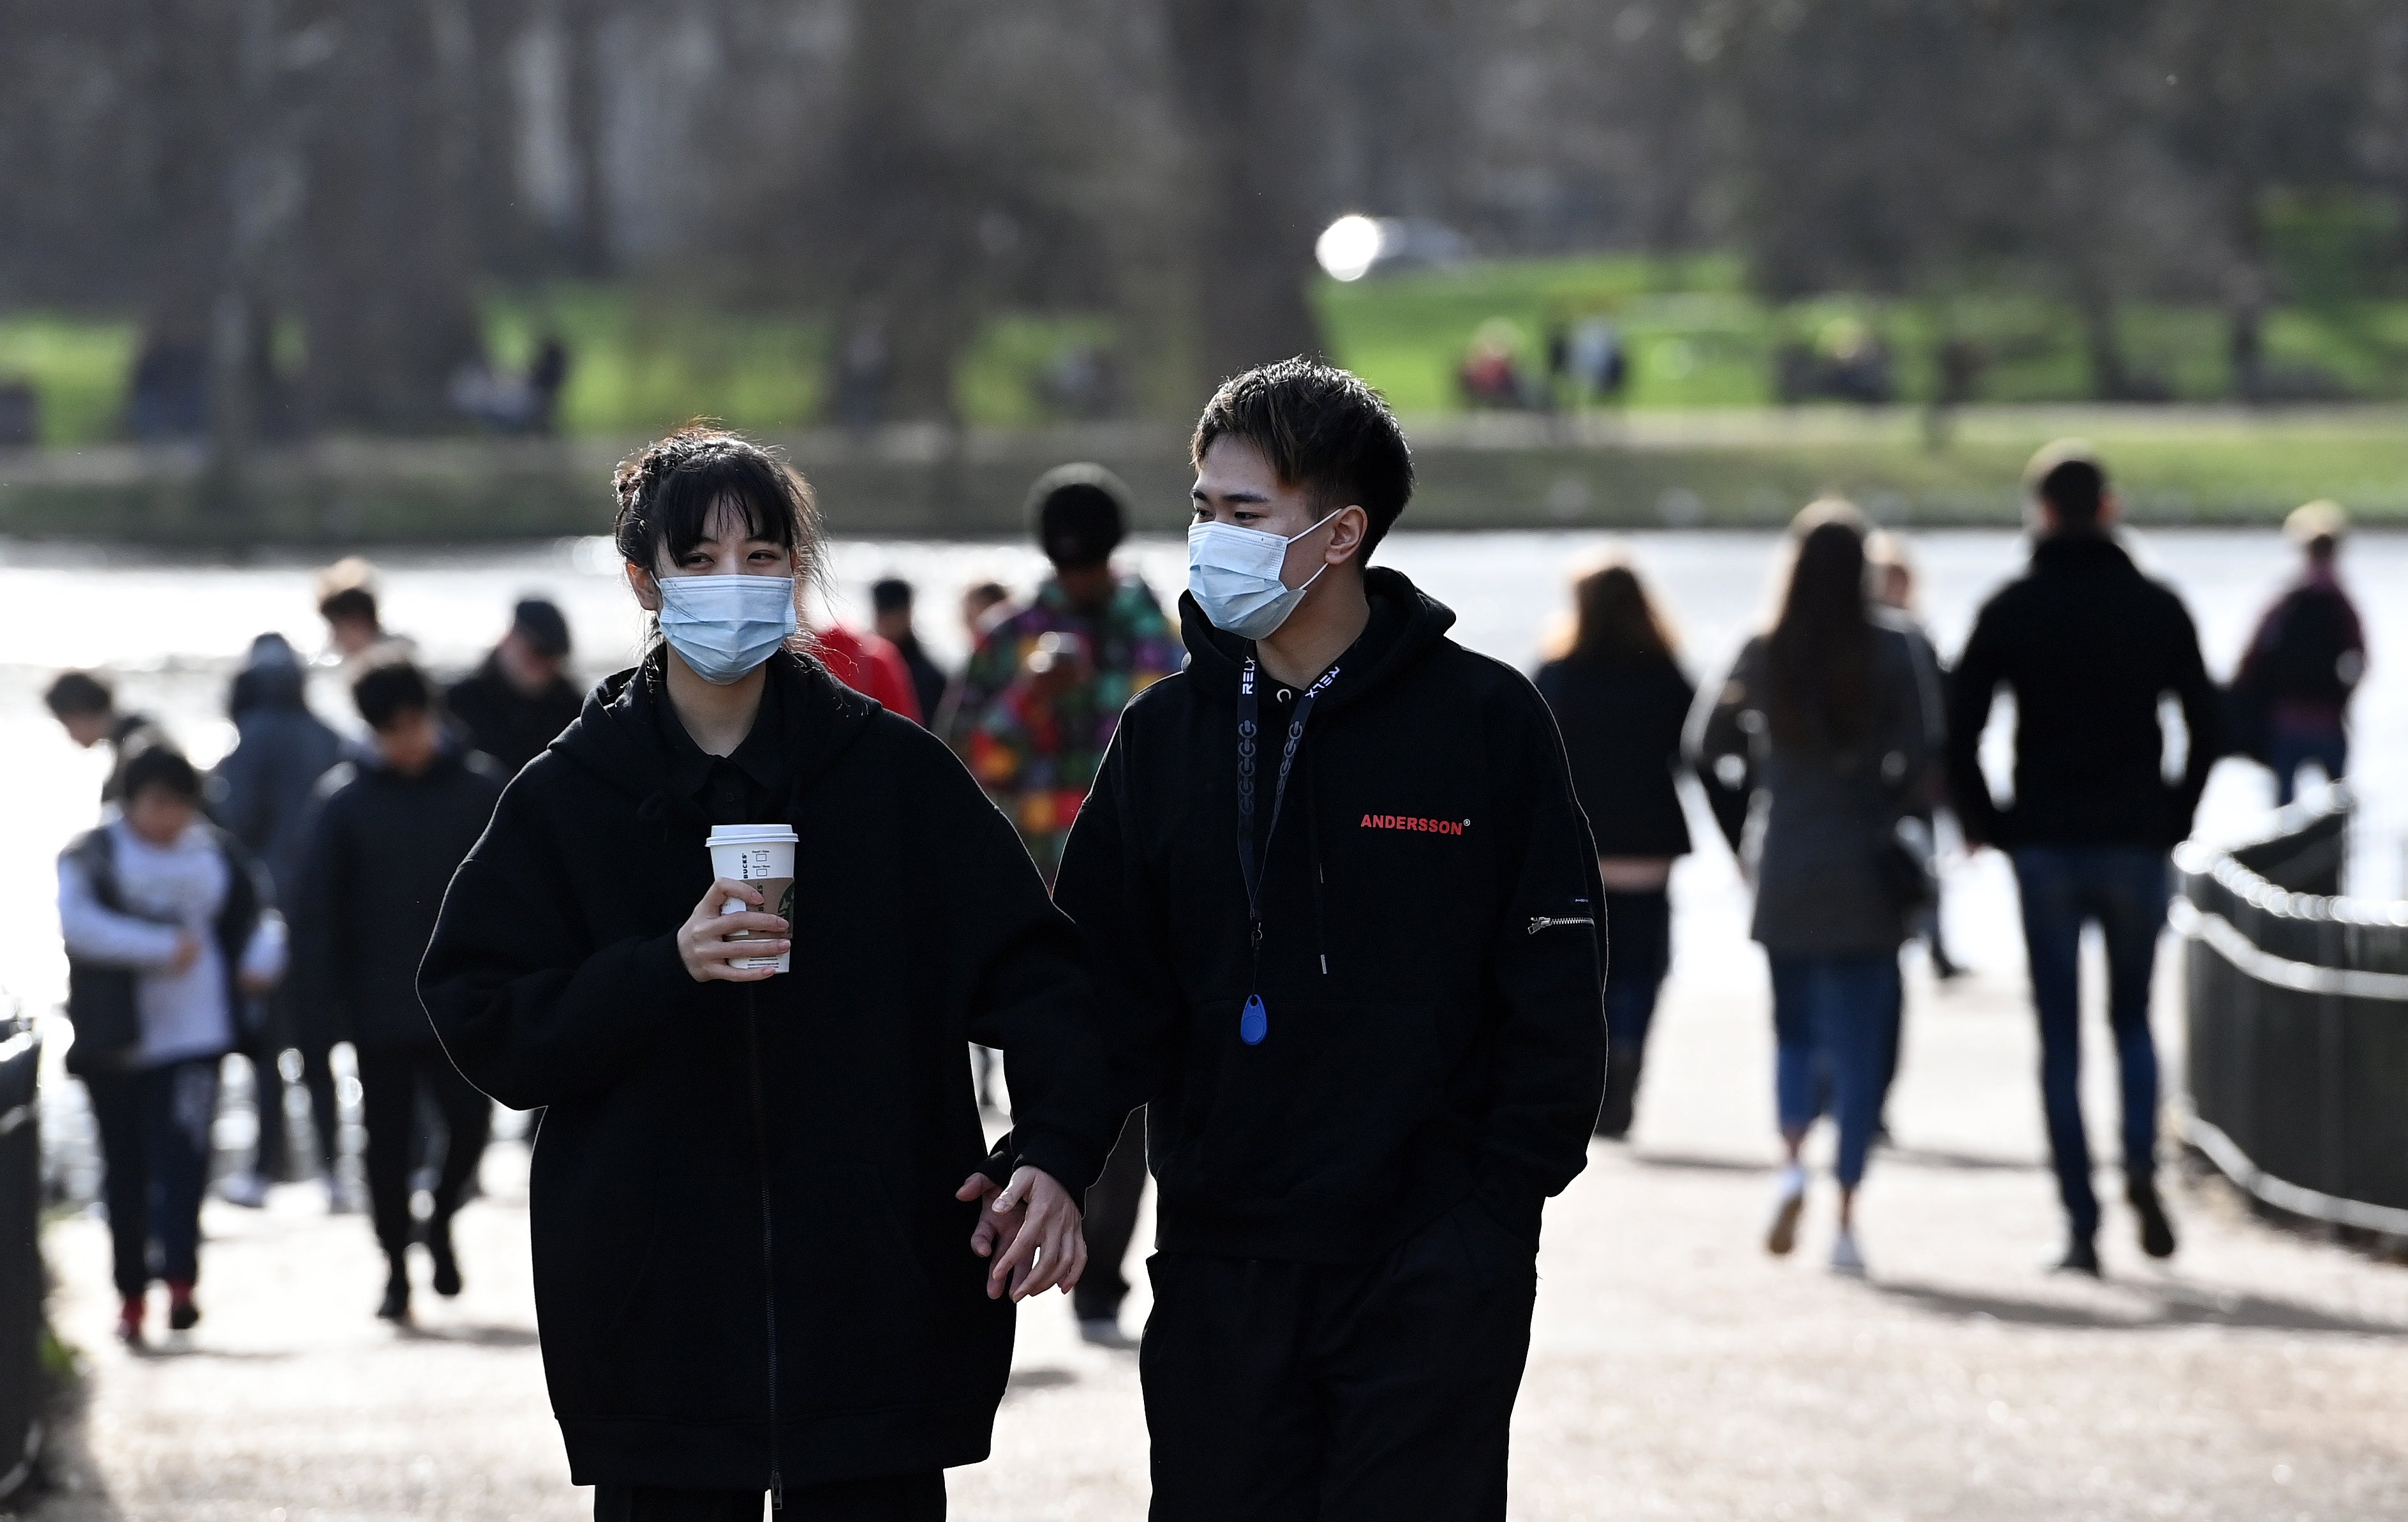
{"points": [[2306, 658], [890, 603], [347, 600], [1046, 682], [1622, 702], [1894, 589], [260, 792], [1038, 706], [514, 704], [2091, 649], [169, 933], [755, 1248], [980, 601], [86, 707], [388, 832], [871, 665], [1832, 718]]}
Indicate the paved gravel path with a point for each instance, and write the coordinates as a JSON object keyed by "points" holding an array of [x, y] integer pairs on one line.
{"points": [[1677, 1372]]}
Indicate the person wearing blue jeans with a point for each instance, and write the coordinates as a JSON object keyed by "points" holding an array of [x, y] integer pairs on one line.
{"points": [[2092, 648], [1831, 1024], [2123, 890]]}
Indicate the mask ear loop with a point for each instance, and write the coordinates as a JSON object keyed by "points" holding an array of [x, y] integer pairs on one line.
{"points": [[1315, 529]]}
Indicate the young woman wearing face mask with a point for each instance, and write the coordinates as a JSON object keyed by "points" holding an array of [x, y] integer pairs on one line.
{"points": [[772, 1250]]}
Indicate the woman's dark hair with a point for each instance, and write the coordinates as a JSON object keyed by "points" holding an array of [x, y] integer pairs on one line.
{"points": [[1819, 655], [386, 692], [1613, 618], [668, 492], [159, 765]]}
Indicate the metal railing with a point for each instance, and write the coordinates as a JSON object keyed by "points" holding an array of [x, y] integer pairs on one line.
{"points": [[2298, 1011], [20, 1256]]}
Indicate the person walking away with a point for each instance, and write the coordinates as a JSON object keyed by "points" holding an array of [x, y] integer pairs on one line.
{"points": [[890, 602], [2305, 659], [2091, 649], [169, 929], [1894, 587], [382, 844], [1040, 700], [261, 793], [86, 708], [1833, 716], [1622, 703], [514, 704], [757, 1231], [1342, 911]]}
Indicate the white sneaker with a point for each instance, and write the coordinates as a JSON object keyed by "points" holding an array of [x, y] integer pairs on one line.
{"points": [[1845, 1258], [246, 1188], [1788, 1204]]}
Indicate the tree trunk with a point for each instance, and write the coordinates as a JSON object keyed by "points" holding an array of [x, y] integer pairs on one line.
{"points": [[1235, 70]]}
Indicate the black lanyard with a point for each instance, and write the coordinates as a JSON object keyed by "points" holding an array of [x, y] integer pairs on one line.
{"points": [[1253, 856]]}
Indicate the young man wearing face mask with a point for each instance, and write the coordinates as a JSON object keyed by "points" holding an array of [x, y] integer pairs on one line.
{"points": [[1342, 908]]}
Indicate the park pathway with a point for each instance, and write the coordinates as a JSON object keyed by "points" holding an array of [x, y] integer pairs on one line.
{"points": [[1677, 1372]]}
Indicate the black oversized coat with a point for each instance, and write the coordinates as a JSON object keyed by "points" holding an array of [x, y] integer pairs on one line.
{"points": [[747, 1249]]}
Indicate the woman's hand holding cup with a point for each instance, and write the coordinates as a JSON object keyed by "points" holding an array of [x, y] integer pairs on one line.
{"points": [[703, 944]]}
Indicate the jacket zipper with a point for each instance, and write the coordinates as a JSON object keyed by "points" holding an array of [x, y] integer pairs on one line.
{"points": [[1548, 922], [768, 1244]]}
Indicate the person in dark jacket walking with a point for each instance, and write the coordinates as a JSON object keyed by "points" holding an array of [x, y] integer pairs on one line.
{"points": [[1832, 718], [383, 844], [1622, 702], [262, 793], [1342, 910], [2091, 650], [2305, 661], [169, 933], [515, 702], [890, 605], [757, 1252]]}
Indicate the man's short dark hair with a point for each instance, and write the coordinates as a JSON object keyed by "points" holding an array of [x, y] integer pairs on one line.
{"points": [[1082, 515], [2067, 476], [352, 602], [541, 622], [387, 692], [75, 692], [159, 765], [890, 595], [1322, 429]]}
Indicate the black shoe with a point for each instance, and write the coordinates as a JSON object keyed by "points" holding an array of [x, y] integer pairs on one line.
{"points": [[182, 1314], [446, 1263], [396, 1299], [1621, 1092], [2156, 1232], [2081, 1257]]}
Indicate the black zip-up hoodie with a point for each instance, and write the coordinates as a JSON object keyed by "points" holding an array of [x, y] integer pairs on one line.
{"points": [[744, 1194], [1431, 962]]}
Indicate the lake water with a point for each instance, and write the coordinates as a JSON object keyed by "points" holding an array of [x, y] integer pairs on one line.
{"points": [[172, 630]]}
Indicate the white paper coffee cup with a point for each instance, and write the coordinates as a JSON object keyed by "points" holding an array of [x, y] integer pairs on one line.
{"points": [[763, 855]]}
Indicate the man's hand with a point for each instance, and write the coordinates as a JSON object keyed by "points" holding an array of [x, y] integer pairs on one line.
{"points": [[1031, 1229], [188, 951]]}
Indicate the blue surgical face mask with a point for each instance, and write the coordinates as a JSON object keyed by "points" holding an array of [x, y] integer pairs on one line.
{"points": [[725, 625], [1234, 575]]}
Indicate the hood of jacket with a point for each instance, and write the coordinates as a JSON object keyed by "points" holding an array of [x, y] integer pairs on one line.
{"points": [[1406, 624], [2076, 552], [614, 736]]}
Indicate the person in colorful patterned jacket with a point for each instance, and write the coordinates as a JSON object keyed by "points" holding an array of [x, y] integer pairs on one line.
{"points": [[1046, 682]]}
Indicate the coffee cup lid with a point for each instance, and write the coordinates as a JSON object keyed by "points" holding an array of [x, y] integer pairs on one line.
{"points": [[752, 835]]}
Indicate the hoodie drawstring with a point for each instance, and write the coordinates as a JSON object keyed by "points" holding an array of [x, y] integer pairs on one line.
{"points": [[1312, 851]]}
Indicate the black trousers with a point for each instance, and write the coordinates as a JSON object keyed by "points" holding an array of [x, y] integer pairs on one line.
{"points": [[154, 1127], [1316, 1392], [900, 1498], [392, 1077], [1111, 1221]]}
